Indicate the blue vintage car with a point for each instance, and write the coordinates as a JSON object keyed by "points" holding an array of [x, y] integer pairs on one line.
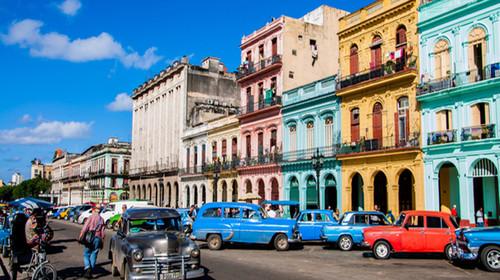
{"points": [[234, 222], [310, 223], [4, 236], [349, 231], [478, 244]]}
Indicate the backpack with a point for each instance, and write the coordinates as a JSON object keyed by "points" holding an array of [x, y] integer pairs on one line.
{"points": [[88, 237]]}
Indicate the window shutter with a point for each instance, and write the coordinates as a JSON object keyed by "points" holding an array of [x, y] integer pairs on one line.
{"points": [[407, 125], [396, 127]]}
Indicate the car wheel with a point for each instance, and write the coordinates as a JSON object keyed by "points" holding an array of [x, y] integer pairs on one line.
{"points": [[382, 250], [108, 225], [281, 242], [490, 258], [345, 243], [448, 252], [116, 226], [114, 269], [214, 242]]}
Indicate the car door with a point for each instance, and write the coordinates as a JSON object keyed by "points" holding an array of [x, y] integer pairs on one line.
{"points": [[306, 226], [437, 234], [232, 219], [321, 220], [358, 223], [413, 236], [252, 228]]}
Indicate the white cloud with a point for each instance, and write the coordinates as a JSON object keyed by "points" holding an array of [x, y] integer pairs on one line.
{"points": [[45, 133], [70, 7], [27, 34], [122, 102], [26, 118]]}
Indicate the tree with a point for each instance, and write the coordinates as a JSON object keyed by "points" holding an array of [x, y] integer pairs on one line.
{"points": [[32, 187], [6, 193]]}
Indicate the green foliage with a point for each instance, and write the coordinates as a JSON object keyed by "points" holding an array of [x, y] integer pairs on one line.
{"points": [[6, 193], [31, 187]]}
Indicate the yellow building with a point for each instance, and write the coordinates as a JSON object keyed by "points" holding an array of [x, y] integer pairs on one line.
{"points": [[381, 159]]}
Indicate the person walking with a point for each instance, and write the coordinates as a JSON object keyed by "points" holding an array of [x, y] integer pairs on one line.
{"points": [[480, 217], [93, 227], [454, 213]]}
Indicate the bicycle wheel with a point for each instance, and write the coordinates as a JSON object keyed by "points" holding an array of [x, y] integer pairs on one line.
{"points": [[45, 272]]}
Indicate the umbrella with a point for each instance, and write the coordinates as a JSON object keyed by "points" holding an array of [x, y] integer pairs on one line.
{"points": [[249, 196], [30, 202]]}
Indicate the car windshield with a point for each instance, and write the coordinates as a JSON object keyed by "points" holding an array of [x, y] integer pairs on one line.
{"points": [[401, 219], [147, 225]]}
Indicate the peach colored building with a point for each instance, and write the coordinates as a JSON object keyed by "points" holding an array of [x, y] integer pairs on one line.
{"points": [[282, 55]]}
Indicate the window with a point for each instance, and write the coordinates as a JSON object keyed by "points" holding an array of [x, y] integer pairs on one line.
{"points": [[250, 214], [310, 135], [274, 140], [114, 166], [444, 120], [260, 143], [248, 140], [401, 44], [361, 219], [415, 222], [214, 151], [355, 125], [274, 46], [353, 60], [436, 222], [273, 86], [293, 138], [328, 131], [187, 158], [195, 155], [203, 154], [261, 52], [402, 126], [480, 114], [319, 217], [378, 220], [477, 53], [376, 52], [249, 100], [231, 213], [212, 212], [234, 148], [290, 74], [261, 94], [249, 56], [441, 60], [307, 217], [224, 149], [294, 52]]}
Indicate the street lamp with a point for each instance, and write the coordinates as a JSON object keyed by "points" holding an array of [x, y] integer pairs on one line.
{"points": [[317, 163]]}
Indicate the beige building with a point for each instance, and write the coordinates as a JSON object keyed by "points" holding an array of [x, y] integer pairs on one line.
{"points": [[40, 170], [177, 99]]}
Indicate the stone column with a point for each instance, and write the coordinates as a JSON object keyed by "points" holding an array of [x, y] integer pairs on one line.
{"points": [[393, 198], [368, 197]]}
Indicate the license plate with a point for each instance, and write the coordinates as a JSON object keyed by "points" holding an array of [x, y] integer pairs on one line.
{"points": [[170, 276]]}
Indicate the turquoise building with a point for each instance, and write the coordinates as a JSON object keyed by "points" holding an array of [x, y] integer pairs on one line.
{"points": [[459, 95], [311, 122]]}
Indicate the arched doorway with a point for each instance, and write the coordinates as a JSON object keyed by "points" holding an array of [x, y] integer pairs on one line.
{"points": [[215, 191], [169, 195], [176, 190], [162, 195], [188, 196], [235, 191], [486, 193], [150, 193], [155, 190], [143, 192], [248, 189], [138, 192], [357, 195], [330, 192], [311, 193], [377, 125], [224, 191], [406, 196], [261, 190], [380, 192], [294, 189], [275, 191], [195, 194], [449, 187], [203, 194]]}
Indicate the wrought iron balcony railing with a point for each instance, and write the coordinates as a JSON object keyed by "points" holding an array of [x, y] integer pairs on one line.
{"points": [[491, 71], [372, 74], [254, 107], [153, 169], [374, 145], [441, 137], [478, 132], [306, 154], [264, 159], [250, 67]]}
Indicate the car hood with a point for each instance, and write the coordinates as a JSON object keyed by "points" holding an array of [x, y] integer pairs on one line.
{"points": [[154, 243]]}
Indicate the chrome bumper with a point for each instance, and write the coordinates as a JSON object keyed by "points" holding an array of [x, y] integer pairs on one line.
{"points": [[457, 253], [165, 267]]}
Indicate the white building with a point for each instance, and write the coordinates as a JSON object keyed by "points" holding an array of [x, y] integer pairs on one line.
{"points": [[17, 179]]}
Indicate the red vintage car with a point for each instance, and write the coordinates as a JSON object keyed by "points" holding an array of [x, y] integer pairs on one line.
{"points": [[414, 232]]}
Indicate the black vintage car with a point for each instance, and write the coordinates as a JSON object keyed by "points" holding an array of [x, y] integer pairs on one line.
{"points": [[151, 244]]}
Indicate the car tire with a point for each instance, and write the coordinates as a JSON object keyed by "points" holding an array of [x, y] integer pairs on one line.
{"points": [[382, 250], [345, 243], [115, 226], [108, 225], [490, 258], [114, 269], [214, 242], [448, 252], [281, 242]]}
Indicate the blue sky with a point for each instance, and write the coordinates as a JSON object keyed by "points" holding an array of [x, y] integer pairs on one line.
{"points": [[64, 63]]}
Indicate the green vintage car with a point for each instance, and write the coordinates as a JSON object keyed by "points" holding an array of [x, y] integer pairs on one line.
{"points": [[113, 222]]}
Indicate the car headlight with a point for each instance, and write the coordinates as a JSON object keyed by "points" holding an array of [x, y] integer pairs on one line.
{"points": [[137, 254], [195, 253]]}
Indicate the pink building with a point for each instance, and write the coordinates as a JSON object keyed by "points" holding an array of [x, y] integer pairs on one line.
{"points": [[282, 55]]}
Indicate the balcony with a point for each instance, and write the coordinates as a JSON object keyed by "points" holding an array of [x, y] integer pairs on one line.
{"points": [[248, 68], [491, 71], [478, 132], [264, 159], [256, 106], [384, 70], [192, 170], [153, 170], [306, 154], [373, 146], [442, 137]]}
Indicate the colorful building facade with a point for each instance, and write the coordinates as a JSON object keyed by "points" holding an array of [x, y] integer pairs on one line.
{"points": [[380, 154], [460, 101], [282, 55], [311, 124]]}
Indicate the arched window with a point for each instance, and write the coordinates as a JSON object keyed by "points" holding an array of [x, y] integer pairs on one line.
{"points": [[355, 125], [441, 60], [310, 135], [477, 53], [402, 117], [401, 43], [480, 114], [376, 52], [353, 60], [328, 131]]}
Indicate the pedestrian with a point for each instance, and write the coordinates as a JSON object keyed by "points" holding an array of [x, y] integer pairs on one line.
{"points": [[480, 217], [94, 229], [336, 214], [454, 213], [192, 212], [390, 217], [124, 209], [376, 208]]}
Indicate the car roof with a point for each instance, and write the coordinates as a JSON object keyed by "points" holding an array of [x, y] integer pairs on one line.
{"points": [[280, 202], [230, 204], [426, 213], [150, 213], [364, 212], [316, 211]]}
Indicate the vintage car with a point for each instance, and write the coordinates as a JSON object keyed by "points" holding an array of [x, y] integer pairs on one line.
{"points": [[4, 236], [478, 244], [151, 244], [348, 232], [57, 213], [310, 223], [285, 209], [75, 213], [414, 232], [234, 222], [113, 222], [187, 221]]}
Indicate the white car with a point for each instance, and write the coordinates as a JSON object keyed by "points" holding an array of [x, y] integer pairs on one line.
{"points": [[114, 208], [84, 216]]}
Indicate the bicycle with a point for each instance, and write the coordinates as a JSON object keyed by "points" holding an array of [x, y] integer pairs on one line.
{"points": [[39, 268]]}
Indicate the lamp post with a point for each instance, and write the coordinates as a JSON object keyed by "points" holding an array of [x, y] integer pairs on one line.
{"points": [[216, 179], [317, 163]]}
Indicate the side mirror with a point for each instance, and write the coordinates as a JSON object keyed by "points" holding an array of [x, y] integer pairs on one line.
{"points": [[121, 234]]}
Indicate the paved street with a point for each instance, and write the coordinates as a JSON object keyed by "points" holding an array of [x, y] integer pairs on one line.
{"points": [[250, 262]]}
